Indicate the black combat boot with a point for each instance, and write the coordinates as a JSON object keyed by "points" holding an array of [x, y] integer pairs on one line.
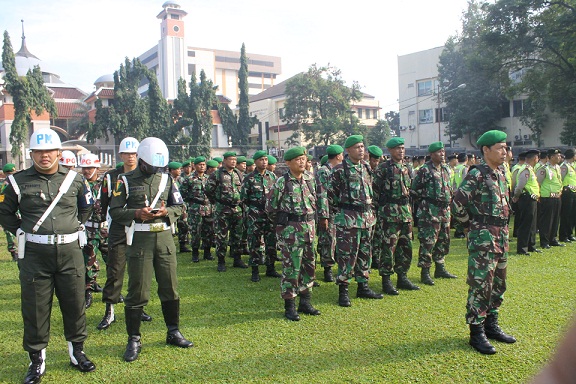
{"points": [[88, 297], [37, 367], [441, 273], [305, 306], [328, 276], [171, 312], [238, 263], [425, 276], [145, 317], [255, 274], [78, 358], [184, 247], [108, 318], [290, 310], [207, 254], [343, 297], [404, 283], [270, 270], [479, 341], [195, 255], [134, 346], [493, 330], [221, 264], [366, 293], [387, 286]]}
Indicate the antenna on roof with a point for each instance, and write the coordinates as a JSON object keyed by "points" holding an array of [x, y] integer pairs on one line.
{"points": [[22, 21]]}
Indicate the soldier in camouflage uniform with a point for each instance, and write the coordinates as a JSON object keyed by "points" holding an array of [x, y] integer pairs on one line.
{"points": [[261, 234], [250, 166], [374, 158], [481, 203], [350, 195], [271, 163], [90, 164], [432, 187], [175, 170], [392, 196], [326, 231], [199, 210], [223, 190], [10, 169], [291, 205]]}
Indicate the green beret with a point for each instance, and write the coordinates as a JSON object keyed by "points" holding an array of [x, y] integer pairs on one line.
{"points": [[309, 157], [191, 159], [218, 159], [353, 140], [272, 160], [212, 164], [436, 146], [119, 165], [375, 151], [249, 162], [199, 159], [334, 149], [240, 159], [258, 154], [229, 154], [394, 142], [186, 163], [491, 137], [324, 159], [293, 153], [174, 165], [9, 167]]}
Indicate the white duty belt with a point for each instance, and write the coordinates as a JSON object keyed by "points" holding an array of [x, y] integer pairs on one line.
{"points": [[52, 239]]}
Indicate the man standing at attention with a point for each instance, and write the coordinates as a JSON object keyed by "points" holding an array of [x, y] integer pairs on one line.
{"points": [[481, 203]]}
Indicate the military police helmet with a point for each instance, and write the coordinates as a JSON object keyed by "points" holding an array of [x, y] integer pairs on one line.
{"points": [[128, 145], [45, 139], [90, 160], [154, 152], [68, 159]]}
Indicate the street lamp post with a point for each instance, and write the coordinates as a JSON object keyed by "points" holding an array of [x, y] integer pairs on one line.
{"points": [[439, 113]]}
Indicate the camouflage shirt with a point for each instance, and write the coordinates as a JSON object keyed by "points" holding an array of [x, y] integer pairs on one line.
{"points": [[350, 195], [483, 204], [432, 186], [223, 190], [255, 188], [392, 192], [322, 182], [194, 194], [93, 222]]}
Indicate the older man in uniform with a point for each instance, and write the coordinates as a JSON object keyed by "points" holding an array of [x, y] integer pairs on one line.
{"points": [[291, 205], [392, 194], [350, 195], [52, 201], [481, 203], [147, 202], [550, 179]]}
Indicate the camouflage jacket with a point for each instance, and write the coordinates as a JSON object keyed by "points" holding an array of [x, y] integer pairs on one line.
{"points": [[194, 195], [223, 190], [255, 188], [94, 221], [482, 203], [392, 192], [322, 181], [350, 195], [432, 187]]}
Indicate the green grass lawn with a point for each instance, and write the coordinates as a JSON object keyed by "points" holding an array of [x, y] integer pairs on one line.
{"points": [[241, 335]]}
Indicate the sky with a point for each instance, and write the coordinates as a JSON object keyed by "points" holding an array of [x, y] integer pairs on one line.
{"points": [[81, 40]]}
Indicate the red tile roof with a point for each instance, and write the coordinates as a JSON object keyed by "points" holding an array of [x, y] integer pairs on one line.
{"points": [[66, 110], [67, 93]]}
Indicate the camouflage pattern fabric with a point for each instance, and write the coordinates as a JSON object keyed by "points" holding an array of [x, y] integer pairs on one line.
{"points": [[326, 238], [396, 249], [91, 250], [482, 204], [200, 218]]}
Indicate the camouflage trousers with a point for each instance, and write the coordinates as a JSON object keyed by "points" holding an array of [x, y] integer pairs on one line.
{"points": [[486, 284], [261, 239], [298, 264], [375, 242], [183, 231], [224, 224], [434, 242], [326, 244], [200, 230], [89, 251], [352, 254], [10, 241], [395, 253]]}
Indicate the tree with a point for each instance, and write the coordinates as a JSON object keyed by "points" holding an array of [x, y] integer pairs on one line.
{"points": [[28, 94], [81, 123], [379, 135], [318, 105], [244, 120]]}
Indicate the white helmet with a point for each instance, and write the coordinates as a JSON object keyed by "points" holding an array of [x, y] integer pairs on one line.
{"points": [[154, 152], [68, 159], [90, 160], [45, 139], [128, 145]]}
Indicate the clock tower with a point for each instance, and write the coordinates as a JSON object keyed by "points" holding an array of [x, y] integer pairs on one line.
{"points": [[171, 49]]}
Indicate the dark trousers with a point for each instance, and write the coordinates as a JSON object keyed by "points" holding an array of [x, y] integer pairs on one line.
{"points": [[548, 219], [45, 270], [567, 218], [115, 267], [525, 223]]}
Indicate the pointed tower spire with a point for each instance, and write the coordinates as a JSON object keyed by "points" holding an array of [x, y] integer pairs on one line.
{"points": [[24, 52]]}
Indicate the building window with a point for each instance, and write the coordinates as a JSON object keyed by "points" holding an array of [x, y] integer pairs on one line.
{"points": [[425, 88], [175, 17], [517, 108], [359, 113], [441, 114], [505, 109], [425, 116], [191, 53], [191, 69], [281, 112]]}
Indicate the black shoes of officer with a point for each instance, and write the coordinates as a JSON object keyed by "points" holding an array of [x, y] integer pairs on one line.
{"points": [[387, 286], [195, 255], [184, 248], [133, 348], [108, 318], [171, 312], [238, 263], [546, 246], [572, 238], [305, 306], [404, 283], [290, 310], [493, 330], [145, 317], [271, 271], [522, 253], [343, 296], [255, 274], [207, 254], [535, 250], [88, 298], [37, 367], [479, 341], [328, 276], [176, 339], [425, 276], [365, 292], [133, 318], [440, 272], [565, 240], [78, 358], [557, 244]]}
